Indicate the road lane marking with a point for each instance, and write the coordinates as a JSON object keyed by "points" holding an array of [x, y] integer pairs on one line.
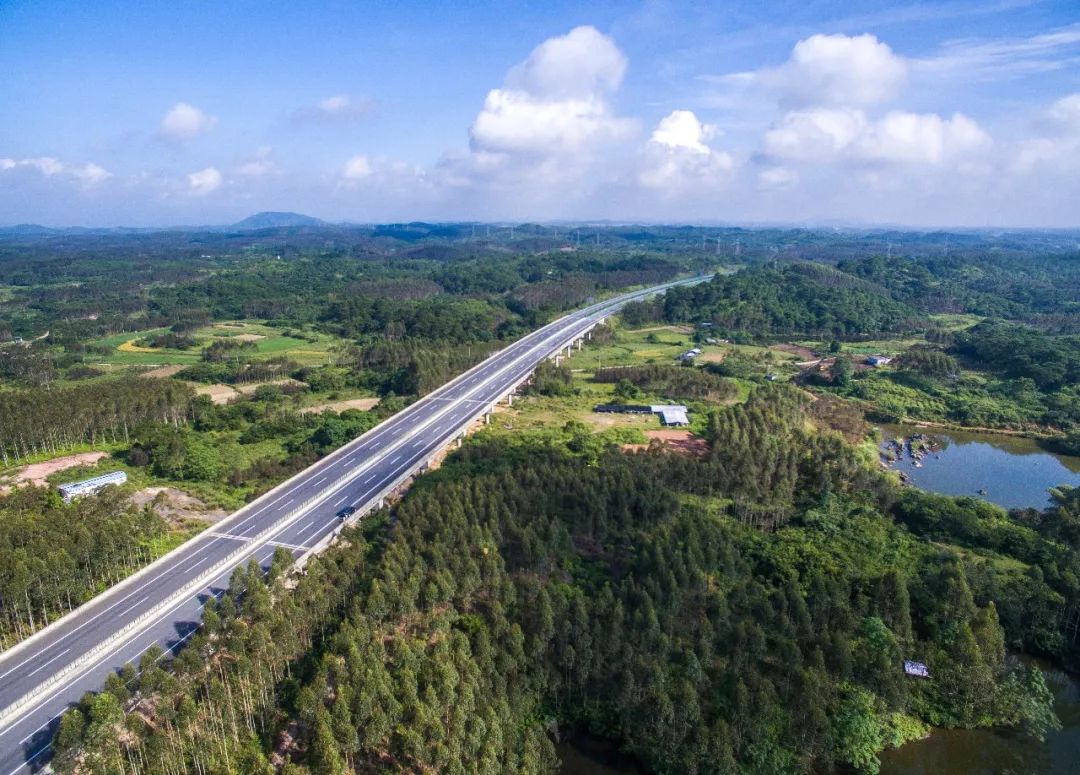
{"points": [[320, 479], [396, 459], [341, 501], [230, 536], [368, 480], [294, 547], [195, 565], [42, 667], [134, 605]]}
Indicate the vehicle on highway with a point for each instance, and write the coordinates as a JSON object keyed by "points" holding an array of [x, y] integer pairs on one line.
{"points": [[346, 512]]}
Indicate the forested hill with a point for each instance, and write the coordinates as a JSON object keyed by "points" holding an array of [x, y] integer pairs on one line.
{"points": [[806, 299], [744, 612]]}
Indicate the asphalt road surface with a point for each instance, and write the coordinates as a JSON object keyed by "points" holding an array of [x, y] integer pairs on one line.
{"points": [[162, 604]]}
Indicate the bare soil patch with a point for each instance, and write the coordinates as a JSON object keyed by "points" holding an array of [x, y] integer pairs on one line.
{"points": [[219, 393], [672, 329], [712, 357], [37, 473], [340, 406], [679, 442], [804, 353], [251, 387], [176, 506], [246, 337], [161, 372]]}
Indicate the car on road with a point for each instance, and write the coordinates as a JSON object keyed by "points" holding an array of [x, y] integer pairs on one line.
{"points": [[346, 512]]}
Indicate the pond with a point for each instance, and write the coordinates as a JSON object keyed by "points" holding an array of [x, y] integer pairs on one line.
{"points": [[998, 752], [1010, 471], [966, 751]]}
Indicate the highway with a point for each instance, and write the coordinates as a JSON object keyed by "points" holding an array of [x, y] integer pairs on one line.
{"points": [[162, 603]]}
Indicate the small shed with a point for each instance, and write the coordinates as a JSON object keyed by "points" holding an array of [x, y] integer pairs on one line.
{"points": [[673, 415]]}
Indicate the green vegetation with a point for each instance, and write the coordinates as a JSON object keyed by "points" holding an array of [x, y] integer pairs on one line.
{"points": [[742, 605], [799, 299], [56, 556], [706, 615]]}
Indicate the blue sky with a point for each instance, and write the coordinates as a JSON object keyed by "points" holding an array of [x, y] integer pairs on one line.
{"points": [[948, 113]]}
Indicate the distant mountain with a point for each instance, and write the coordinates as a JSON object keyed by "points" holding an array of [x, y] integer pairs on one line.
{"points": [[270, 220], [27, 230]]}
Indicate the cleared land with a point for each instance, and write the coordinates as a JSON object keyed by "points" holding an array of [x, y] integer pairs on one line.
{"points": [[37, 474]]}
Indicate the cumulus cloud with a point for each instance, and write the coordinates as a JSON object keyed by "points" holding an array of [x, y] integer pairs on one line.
{"points": [[336, 108], [184, 122], [1058, 150], [677, 155], [681, 130], [837, 70], [826, 92], [556, 101], [204, 181], [88, 174], [826, 135], [359, 167], [260, 164], [1066, 113]]}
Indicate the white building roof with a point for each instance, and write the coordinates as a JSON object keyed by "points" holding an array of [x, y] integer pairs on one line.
{"points": [[672, 414]]}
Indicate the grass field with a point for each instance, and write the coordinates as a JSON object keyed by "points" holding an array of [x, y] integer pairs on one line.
{"points": [[312, 350], [630, 347]]}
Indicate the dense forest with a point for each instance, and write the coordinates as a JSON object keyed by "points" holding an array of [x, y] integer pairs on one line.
{"points": [[807, 299], [56, 556], [706, 615]]}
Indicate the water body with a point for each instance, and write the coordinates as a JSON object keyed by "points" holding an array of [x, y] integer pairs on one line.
{"points": [[945, 752], [1014, 472], [998, 752]]}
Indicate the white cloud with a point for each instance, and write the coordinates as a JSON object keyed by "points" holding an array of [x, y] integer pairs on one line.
{"points": [[204, 181], [338, 108], [994, 60], [828, 135], [357, 168], [260, 164], [681, 130], [184, 121], [518, 122], [677, 157], [1057, 151], [556, 101], [836, 70], [1066, 113], [335, 104], [777, 178], [581, 64], [91, 173], [88, 174]]}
